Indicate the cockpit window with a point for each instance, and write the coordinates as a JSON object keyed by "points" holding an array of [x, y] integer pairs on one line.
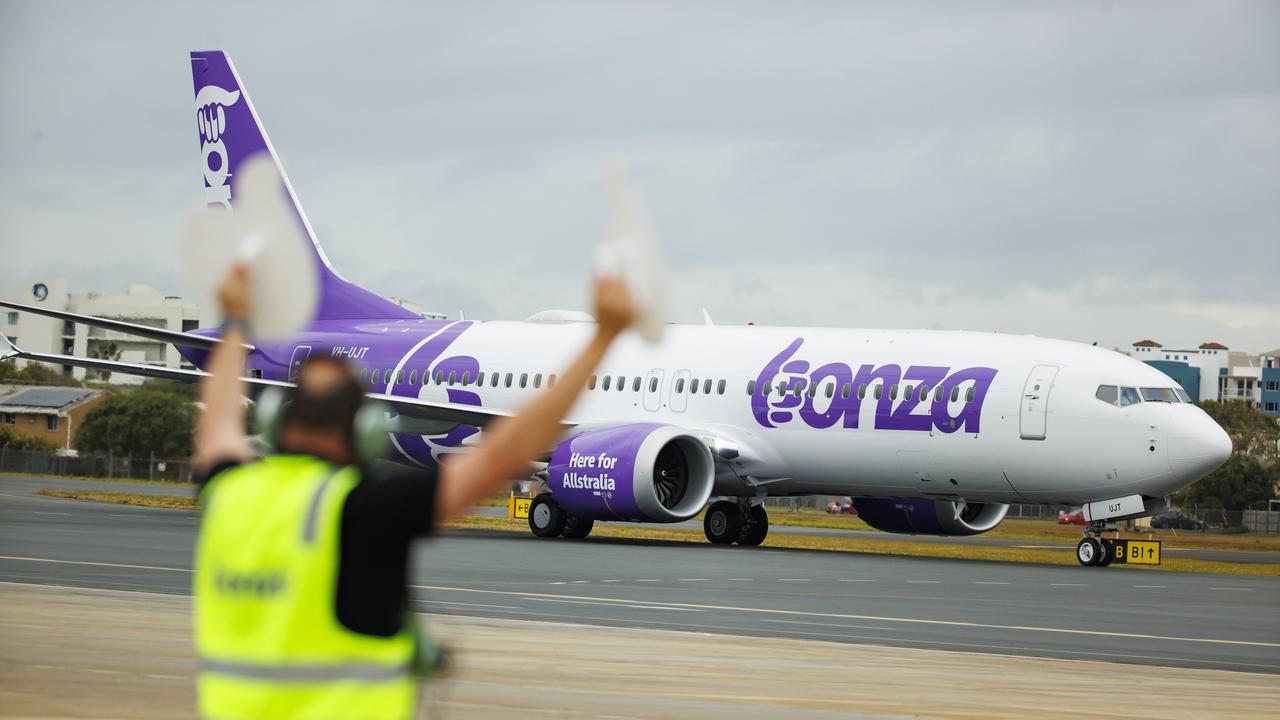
{"points": [[1108, 394], [1129, 396], [1182, 394], [1159, 395]]}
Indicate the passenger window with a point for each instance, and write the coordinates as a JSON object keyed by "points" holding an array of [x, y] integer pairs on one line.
{"points": [[831, 389], [845, 390], [635, 384], [937, 394], [799, 388], [439, 377], [680, 385], [908, 393], [607, 379], [862, 391], [376, 374], [877, 393], [364, 374], [782, 387], [551, 380], [968, 395], [413, 377], [653, 384], [955, 393], [507, 380], [924, 393], [524, 380], [893, 391], [751, 387], [1108, 394], [479, 379], [493, 379], [693, 386], [537, 381], [466, 378], [720, 388], [813, 389], [453, 376], [591, 383], [621, 383], [706, 386], [1129, 396]]}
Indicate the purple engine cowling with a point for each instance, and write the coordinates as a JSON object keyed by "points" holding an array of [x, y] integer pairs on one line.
{"points": [[929, 517], [642, 472]]}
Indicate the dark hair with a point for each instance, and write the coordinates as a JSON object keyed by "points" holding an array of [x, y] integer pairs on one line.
{"points": [[332, 408]]}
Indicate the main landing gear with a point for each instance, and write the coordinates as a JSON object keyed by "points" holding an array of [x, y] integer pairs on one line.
{"points": [[1095, 550], [547, 519], [729, 521]]}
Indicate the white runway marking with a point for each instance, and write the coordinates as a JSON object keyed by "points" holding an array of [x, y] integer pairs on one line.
{"points": [[738, 579], [464, 604], [1151, 586], [693, 579], [647, 580], [97, 564], [1230, 588], [854, 580], [989, 582], [43, 512], [610, 604], [925, 582], [793, 579], [851, 616], [1068, 585]]}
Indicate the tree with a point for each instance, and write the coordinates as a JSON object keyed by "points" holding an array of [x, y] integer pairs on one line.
{"points": [[138, 423], [11, 440], [33, 374], [105, 351]]}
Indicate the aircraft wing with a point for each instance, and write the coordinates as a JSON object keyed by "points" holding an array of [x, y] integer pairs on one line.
{"points": [[415, 408], [151, 333]]}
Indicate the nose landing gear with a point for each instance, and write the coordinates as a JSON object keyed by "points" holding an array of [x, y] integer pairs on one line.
{"points": [[1095, 550]]}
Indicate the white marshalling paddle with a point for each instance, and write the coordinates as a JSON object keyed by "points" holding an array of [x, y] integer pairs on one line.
{"points": [[630, 253]]}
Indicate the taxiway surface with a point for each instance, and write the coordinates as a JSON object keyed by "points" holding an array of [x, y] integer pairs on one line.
{"points": [[1118, 614]]}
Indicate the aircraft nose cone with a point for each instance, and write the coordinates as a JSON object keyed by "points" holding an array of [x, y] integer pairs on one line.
{"points": [[1197, 445]]}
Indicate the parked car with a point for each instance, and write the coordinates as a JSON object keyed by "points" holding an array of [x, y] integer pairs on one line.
{"points": [[1072, 518], [1174, 520], [843, 506]]}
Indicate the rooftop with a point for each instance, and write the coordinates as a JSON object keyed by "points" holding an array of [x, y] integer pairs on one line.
{"points": [[43, 398]]}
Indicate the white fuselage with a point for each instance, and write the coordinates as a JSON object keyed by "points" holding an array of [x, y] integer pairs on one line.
{"points": [[1043, 435]]}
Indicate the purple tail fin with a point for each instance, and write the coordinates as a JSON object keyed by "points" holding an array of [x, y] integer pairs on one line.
{"points": [[230, 132]]}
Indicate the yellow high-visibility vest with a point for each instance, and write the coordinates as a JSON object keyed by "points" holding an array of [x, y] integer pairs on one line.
{"points": [[266, 628]]}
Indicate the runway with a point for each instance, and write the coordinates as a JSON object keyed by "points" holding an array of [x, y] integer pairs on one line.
{"points": [[1118, 614]]}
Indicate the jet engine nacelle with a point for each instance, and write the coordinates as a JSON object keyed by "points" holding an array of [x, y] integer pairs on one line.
{"points": [[930, 517], [641, 472]]}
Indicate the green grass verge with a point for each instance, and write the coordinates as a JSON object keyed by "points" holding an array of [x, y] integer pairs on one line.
{"points": [[138, 481]]}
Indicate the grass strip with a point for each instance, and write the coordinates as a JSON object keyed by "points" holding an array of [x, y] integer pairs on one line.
{"points": [[868, 546], [172, 502]]}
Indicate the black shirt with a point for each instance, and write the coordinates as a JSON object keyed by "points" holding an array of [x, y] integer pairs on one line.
{"points": [[385, 511]]}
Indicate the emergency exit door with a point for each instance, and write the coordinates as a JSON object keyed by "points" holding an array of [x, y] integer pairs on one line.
{"points": [[300, 355], [1035, 402]]}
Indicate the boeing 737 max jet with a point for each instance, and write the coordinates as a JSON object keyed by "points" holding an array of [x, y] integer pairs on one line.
{"points": [[930, 432]]}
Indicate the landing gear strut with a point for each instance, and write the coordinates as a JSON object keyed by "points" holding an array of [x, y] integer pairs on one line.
{"points": [[1093, 549], [741, 521]]}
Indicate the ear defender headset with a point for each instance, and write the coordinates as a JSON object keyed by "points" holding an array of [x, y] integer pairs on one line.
{"points": [[368, 432]]}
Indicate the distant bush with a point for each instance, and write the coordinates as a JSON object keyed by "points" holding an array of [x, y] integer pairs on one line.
{"points": [[13, 440], [138, 423], [34, 374]]}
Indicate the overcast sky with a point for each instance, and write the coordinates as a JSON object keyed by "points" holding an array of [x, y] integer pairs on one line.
{"points": [[1102, 171]]}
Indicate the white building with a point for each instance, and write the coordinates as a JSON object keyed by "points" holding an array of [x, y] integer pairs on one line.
{"points": [[1213, 372], [141, 304]]}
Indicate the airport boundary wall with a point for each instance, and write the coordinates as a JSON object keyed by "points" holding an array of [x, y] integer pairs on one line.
{"points": [[94, 465]]}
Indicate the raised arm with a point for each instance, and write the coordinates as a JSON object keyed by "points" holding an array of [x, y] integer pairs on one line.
{"points": [[510, 444], [220, 430]]}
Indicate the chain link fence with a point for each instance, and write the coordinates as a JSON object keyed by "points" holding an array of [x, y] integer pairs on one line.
{"points": [[94, 465]]}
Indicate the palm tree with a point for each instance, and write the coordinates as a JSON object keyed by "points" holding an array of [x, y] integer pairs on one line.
{"points": [[105, 351]]}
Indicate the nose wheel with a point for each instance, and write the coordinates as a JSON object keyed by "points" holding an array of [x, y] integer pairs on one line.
{"points": [[1093, 550]]}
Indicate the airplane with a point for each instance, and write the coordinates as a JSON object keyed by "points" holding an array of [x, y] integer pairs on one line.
{"points": [[931, 432]]}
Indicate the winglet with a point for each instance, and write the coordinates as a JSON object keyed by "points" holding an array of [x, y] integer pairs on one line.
{"points": [[7, 348]]}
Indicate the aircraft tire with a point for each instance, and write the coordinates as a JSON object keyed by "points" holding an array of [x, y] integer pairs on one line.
{"points": [[1108, 553], [1088, 551], [576, 527], [755, 528], [723, 522], [546, 519]]}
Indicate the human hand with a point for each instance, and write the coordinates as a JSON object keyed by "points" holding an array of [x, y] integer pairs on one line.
{"points": [[614, 311], [233, 293]]}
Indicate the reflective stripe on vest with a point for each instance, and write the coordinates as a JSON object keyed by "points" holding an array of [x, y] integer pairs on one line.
{"points": [[265, 589]]}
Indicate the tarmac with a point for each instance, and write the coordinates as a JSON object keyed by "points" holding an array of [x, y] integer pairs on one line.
{"points": [[1118, 614]]}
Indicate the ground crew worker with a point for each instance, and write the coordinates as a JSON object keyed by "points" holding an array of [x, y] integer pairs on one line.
{"points": [[300, 597]]}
